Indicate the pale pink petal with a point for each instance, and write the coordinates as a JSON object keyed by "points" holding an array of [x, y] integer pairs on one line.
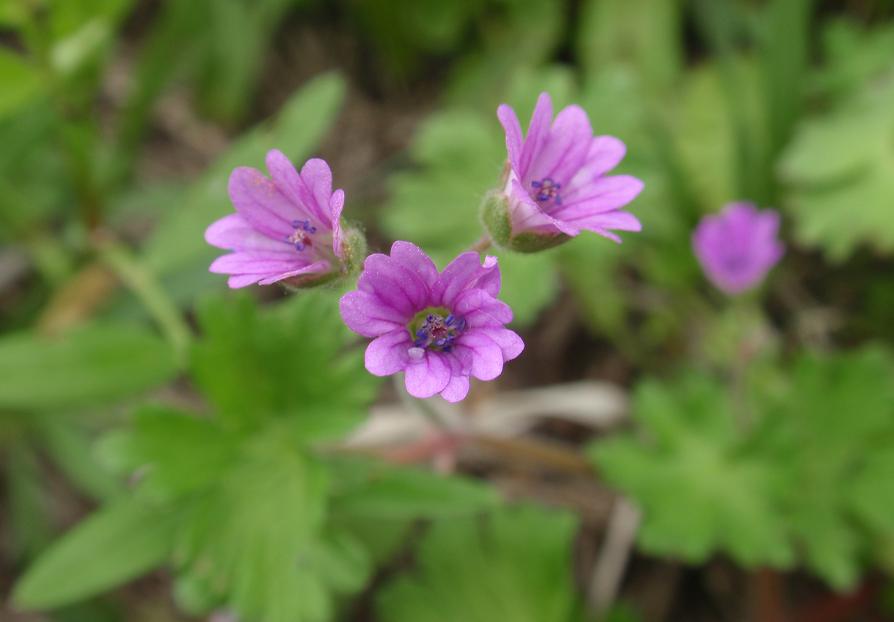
{"points": [[317, 268], [512, 128], [427, 376], [365, 314], [487, 357], [387, 354], [605, 194], [317, 177], [415, 260], [336, 204], [538, 133], [565, 150], [510, 343], [262, 205], [457, 389]]}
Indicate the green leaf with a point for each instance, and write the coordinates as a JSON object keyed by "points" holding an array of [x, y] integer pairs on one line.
{"points": [[839, 171], [290, 361], [116, 544], [514, 565], [255, 536], [642, 34], [91, 366], [700, 490], [21, 82], [836, 436], [180, 452], [178, 251], [388, 493], [26, 503], [69, 445]]}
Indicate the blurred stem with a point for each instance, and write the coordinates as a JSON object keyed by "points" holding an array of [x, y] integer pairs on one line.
{"points": [[147, 289], [421, 407], [482, 244]]}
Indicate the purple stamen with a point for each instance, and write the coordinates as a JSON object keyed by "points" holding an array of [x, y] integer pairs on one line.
{"points": [[439, 333], [548, 190]]}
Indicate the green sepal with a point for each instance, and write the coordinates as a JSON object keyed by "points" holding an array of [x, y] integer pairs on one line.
{"points": [[495, 217]]}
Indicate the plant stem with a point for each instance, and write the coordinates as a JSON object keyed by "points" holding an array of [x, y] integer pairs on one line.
{"points": [[147, 289], [482, 244]]}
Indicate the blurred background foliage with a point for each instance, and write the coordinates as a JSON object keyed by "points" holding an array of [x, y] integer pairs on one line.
{"points": [[152, 425]]}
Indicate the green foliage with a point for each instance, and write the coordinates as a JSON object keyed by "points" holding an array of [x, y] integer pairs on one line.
{"points": [[88, 367], [805, 475], [250, 515], [514, 564], [21, 82], [700, 489], [642, 34], [253, 365], [116, 544], [246, 532], [390, 493], [840, 174]]}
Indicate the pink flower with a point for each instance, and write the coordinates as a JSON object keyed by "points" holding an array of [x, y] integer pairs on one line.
{"points": [[557, 183], [286, 228], [439, 329], [737, 247]]}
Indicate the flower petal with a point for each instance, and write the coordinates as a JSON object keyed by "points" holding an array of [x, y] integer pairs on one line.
{"points": [[538, 132], [461, 274], [387, 354], [336, 204], [237, 281], [510, 343], [565, 150], [427, 376], [394, 284], [487, 357], [528, 216], [259, 201], [318, 267], [512, 129], [457, 389], [251, 262], [604, 154], [415, 260], [233, 232], [317, 177], [478, 308], [365, 314], [603, 195]]}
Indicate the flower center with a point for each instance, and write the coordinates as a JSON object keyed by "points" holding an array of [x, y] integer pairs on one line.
{"points": [[547, 190], [300, 238], [435, 329]]}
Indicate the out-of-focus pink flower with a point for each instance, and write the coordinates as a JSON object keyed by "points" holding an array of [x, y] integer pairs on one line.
{"points": [[286, 228], [437, 328], [557, 184], [738, 246]]}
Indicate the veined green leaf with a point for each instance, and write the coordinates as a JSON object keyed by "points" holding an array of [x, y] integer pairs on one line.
{"points": [[91, 366], [116, 544]]}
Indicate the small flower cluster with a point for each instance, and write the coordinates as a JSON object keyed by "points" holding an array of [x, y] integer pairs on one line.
{"points": [[442, 328]]}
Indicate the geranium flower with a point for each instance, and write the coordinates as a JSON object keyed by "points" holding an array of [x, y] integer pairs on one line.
{"points": [[556, 183], [287, 228], [737, 247], [437, 328]]}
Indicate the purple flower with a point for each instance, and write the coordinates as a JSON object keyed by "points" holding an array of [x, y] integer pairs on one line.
{"points": [[557, 183], [438, 329], [285, 229], [737, 247]]}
